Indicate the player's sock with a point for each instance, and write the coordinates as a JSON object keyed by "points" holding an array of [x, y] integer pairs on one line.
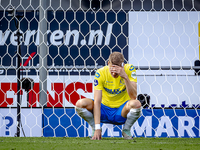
{"points": [[87, 116], [132, 116]]}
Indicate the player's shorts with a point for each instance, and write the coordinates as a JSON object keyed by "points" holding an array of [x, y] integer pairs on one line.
{"points": [[112, 115]]}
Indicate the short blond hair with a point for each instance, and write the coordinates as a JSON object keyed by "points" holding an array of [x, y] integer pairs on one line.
{"points": [[116, 58]]}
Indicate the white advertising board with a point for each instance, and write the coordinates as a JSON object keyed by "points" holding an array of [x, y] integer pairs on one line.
{"points": [[31, 120], [165, 39]]}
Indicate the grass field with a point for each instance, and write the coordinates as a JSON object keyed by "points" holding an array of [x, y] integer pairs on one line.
{"points": [[55, 143]]}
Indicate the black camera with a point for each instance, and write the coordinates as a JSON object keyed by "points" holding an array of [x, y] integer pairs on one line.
{"points": [[144, 100], [27, 84]]}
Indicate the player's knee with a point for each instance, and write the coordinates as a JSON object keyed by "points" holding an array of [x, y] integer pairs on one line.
{"points": [[85, 103], [134, 104], [80, 104]]}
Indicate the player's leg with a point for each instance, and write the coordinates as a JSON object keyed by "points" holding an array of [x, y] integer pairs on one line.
{"points": [[131, 111], [84, 108]]}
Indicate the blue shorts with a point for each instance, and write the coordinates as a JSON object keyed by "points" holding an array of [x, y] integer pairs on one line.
{"points": [[112, 115]]}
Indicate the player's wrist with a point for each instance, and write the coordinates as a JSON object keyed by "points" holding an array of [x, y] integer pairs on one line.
{"points": [[97, 127], [125, 77]]}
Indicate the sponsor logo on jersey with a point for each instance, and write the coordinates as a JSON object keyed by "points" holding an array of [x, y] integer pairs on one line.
{"points": [[114, 91], [122, 82], [97, 75], [133, 75], [109, 83], [131, 68]]}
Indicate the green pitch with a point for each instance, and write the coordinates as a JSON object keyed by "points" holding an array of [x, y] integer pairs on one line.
{"points": [[55, 143]]}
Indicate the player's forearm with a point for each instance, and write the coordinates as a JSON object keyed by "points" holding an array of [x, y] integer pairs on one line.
{"points": [[97, 112], [131, 88], [97, 106]]}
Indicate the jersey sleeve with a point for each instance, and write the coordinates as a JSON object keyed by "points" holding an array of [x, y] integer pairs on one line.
{"points": [[98, 80], [131, 73]]}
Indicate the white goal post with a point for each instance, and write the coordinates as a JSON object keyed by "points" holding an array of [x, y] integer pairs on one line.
{"points": [[50, 50]]}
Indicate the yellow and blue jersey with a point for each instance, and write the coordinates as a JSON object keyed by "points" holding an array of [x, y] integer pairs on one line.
{"points": [[114, 92]]}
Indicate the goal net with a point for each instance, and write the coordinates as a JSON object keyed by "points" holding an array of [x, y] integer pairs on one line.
{"points": [[50, 50]]}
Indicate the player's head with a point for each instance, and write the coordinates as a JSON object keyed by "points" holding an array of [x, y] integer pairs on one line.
{"points": [[115, 58]]}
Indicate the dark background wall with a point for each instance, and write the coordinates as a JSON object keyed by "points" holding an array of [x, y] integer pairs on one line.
{"points": [[137, 5]]}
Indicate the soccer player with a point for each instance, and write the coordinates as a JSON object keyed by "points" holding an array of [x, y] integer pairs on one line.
{"points": [[115, 92]]}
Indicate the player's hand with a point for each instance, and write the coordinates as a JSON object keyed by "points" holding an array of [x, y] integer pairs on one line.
{"points": [[97, 135], [118, 70]]}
